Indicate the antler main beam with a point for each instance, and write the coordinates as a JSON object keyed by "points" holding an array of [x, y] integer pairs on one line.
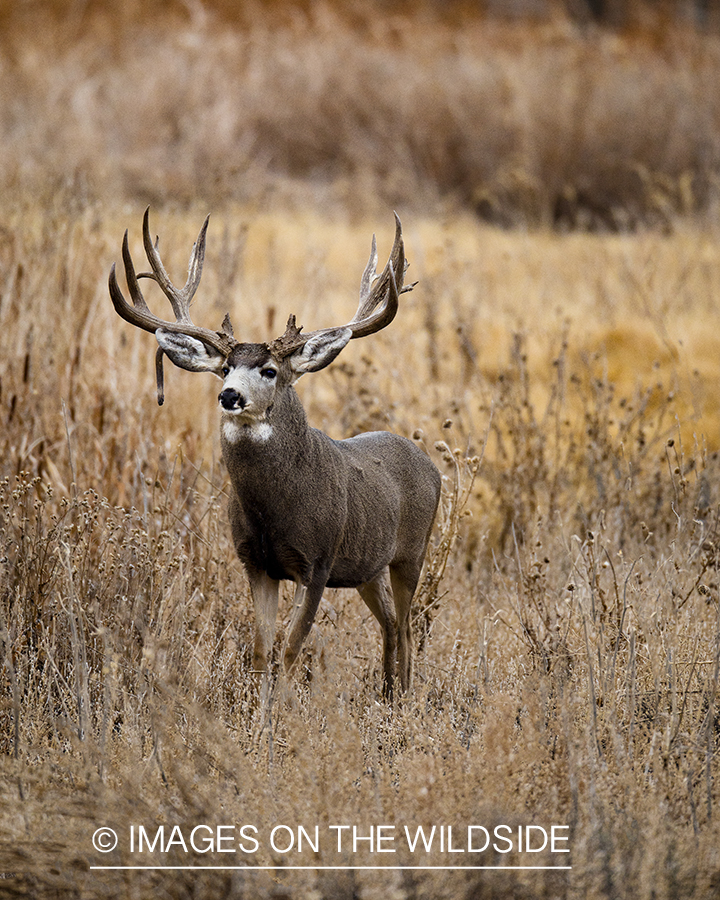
{"points": [[378, 299]]}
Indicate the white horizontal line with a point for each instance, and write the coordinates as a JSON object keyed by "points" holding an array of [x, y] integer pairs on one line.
{"points": [[334, 868]]}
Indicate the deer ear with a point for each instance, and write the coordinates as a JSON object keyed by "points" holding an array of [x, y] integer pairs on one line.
{"points": [[319, 351], [190, 353]]}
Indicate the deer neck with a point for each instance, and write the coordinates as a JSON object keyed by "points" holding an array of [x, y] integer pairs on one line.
{"points": [[272, 443]]}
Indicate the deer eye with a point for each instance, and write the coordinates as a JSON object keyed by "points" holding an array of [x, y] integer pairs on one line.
{"points": [[268, 373]]}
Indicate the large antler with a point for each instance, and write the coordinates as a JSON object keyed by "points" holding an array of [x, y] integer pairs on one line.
{"points": [[378, 299], [139, 313]]}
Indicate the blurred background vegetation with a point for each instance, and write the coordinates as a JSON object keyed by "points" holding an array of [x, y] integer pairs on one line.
{"points": [[592, 115]]}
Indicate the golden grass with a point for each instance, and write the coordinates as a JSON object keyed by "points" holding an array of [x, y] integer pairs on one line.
{"points": [[569, 666]]}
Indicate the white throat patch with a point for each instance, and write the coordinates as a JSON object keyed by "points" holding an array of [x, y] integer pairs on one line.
{"points": [[235, 431]]}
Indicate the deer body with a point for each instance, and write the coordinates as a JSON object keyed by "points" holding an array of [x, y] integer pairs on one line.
{"points": [[323, 513], [339, 520]]}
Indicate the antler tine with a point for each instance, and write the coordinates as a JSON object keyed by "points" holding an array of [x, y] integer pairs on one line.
{"points": [[385, 288], [179, 298], [139, 313], [368, 276]]}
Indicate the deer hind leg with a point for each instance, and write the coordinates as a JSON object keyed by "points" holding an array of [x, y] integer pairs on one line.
{"points": [[404, 578], [376, 595]]}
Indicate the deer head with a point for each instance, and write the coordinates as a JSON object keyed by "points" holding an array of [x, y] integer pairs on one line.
{"points": [[265, 367]]}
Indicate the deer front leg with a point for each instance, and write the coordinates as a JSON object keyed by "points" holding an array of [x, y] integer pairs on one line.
{"points": [[264, 590], [306, 602]]}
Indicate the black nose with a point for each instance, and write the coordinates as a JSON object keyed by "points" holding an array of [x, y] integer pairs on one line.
{"points": [[230, 399]]}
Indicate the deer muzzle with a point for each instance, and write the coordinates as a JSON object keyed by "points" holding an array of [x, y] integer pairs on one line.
{"points": [[230, 399]]}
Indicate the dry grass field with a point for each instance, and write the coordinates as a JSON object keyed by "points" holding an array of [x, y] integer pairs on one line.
{"points": [[563, 374]]}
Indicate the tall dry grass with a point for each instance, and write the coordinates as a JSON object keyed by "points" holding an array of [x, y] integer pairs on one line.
{"points": [[570, 645]]}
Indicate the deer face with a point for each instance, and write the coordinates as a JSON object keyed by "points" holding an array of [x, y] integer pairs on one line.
{"points": [[250, 382]]}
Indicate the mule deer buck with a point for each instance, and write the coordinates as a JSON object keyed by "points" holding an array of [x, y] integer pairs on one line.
{"points": [[322, 513]]}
